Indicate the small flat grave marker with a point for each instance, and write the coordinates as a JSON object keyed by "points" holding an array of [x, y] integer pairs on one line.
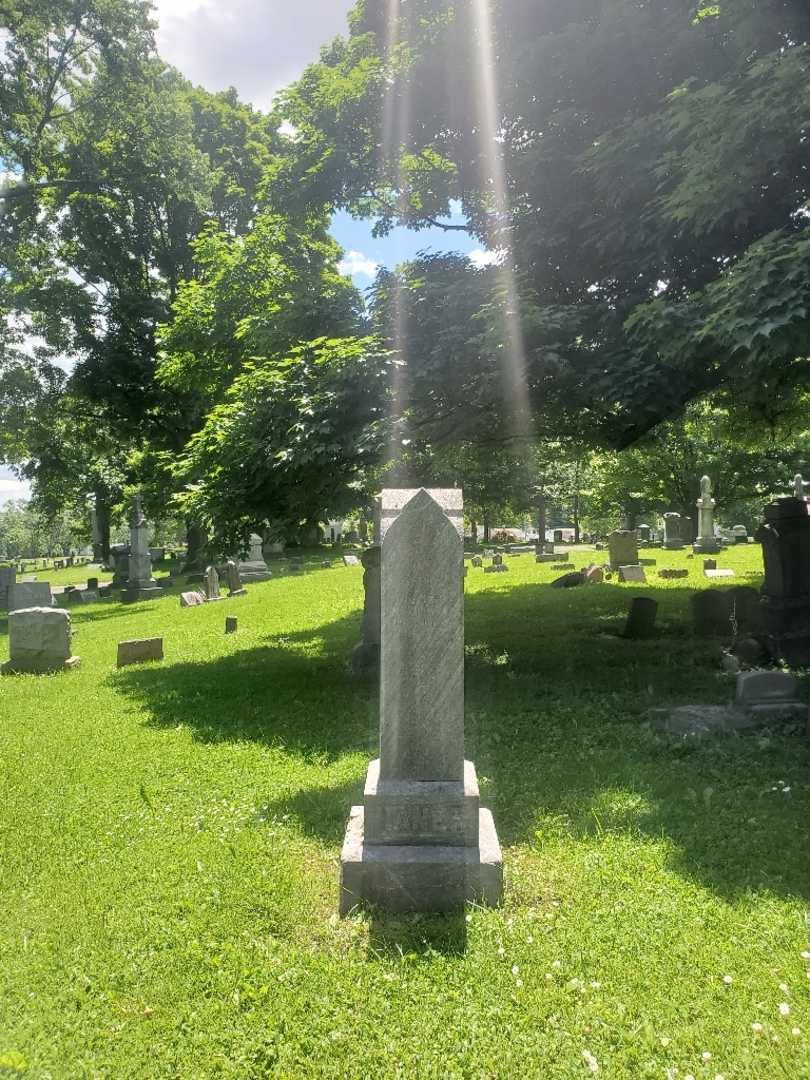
{"points": [[351, 560], [725, 572], [139, 651]]}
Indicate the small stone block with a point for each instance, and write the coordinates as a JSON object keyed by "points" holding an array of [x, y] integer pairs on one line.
{"points": [[726, 572], [671, 574], [351, 560], [496, 568], [710, 564], [634, 572], [546, 558], [139, 651], [231, 624], [89, 596]]}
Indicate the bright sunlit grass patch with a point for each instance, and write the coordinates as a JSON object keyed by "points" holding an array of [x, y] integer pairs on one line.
{"points": [[169, 842]]}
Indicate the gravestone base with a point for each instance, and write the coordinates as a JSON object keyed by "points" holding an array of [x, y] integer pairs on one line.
{"points": [[706, 547], [17, 667], [254, 575], [148, 591], [673, 545], [419, 877]]}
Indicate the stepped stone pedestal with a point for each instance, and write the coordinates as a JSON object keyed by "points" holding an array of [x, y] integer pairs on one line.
{"points": [[421, 840]]}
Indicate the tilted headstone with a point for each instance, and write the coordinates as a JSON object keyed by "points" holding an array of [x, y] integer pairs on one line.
{"points": [[366, 654], [234, 579], [192, 599], [740, 533], [39, 641], [30, 594], [476, 561], [785, 538], [673, 535], [644, 533], [139, 651], [623, 548], [231, 624], [706, 542], [711, 613], [92, 584], [140, 583], [421, 841]]}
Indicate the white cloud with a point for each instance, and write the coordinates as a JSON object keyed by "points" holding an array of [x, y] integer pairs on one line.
{"points": [[355, 262], [12, 488], [480, 258], [258, 46]]}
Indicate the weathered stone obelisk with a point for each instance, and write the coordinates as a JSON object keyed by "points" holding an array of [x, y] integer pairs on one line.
{"points": [[706, 542], [421, 841]]}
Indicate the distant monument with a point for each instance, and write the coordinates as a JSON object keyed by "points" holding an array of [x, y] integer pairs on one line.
{"points": [[140, 583], [706, 543], [254, 568], [420, 841]]}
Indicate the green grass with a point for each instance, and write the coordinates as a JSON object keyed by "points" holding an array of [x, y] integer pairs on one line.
{"points": [[170, 835]]}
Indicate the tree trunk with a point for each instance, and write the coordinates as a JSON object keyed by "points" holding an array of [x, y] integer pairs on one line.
{"points": [[474, 531], [486, 529], [541, 518], [101, 544], [196, 540]]}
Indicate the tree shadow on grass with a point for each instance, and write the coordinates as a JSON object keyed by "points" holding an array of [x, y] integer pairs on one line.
{"points": [[293, 692], [555, 721]]}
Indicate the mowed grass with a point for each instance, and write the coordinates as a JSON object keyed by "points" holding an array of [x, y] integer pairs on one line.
{"points": [[170, 838]]}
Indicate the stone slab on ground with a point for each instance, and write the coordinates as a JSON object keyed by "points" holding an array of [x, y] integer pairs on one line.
{"points": [[723, 572], [139, 651], [697, 721], [634, 572], [496, 568], [351, 560], [671, 574]]}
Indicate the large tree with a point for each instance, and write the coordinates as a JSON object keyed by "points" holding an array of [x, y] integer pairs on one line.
{"points": [[643, 168]]}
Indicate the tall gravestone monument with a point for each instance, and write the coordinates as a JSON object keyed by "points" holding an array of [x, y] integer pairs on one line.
{"points": [[706, 543], [421, 841], [785, 538], [140, 583], [798, 487]]}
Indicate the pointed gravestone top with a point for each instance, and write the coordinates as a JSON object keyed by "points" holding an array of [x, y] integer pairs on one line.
{"points": [[422, 636]]}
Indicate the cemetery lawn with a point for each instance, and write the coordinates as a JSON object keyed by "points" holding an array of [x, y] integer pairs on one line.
{"points": [[170, 836]]}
